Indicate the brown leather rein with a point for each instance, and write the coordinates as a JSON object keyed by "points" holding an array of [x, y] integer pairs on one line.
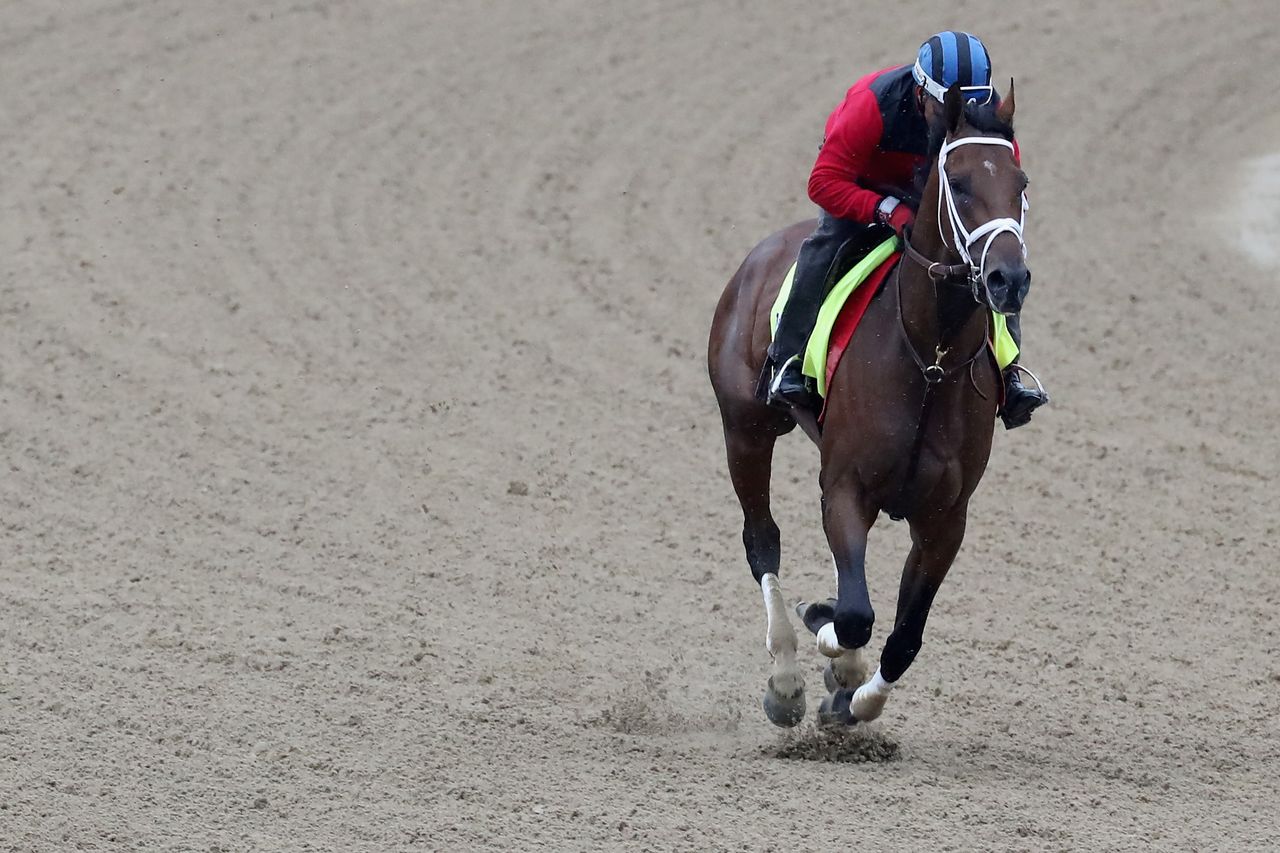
{"points": [[958, 275], [939, 272], [935, 373]]}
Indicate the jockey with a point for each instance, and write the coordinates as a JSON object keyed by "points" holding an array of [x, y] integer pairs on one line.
{"points": [[876, 140]]}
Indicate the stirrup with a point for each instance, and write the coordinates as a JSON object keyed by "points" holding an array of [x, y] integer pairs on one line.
{"points": [[764, 382], [1032, 399], [778, 373], [796, 394], [1034, 378]]}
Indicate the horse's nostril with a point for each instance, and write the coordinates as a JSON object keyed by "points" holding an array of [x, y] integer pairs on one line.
{"points": [[996, 281]]}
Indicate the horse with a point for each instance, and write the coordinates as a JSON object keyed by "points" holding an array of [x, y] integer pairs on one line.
{"points": [[909, 412]]}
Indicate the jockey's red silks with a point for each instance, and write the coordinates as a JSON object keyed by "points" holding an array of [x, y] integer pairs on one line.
{"points": [[876, 137]]}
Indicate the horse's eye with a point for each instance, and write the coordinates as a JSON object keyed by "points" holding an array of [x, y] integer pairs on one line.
{"points": [[960, 187]]}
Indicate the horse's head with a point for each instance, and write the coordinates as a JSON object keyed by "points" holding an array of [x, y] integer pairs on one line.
{"points": [[981, 198]]}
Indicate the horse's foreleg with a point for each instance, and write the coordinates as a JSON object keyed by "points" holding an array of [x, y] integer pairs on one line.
{"points": [[935, 545], [750, 463], [846, 668], [843, 626], [847, 520]]}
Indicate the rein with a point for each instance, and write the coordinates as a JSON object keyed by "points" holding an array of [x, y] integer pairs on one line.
{"points": [[956, 274], [935, 373]]}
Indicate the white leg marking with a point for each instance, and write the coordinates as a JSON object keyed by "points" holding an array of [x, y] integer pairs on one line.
{"points": [[827, 642], [849, 664], [868, 700], [780, 638]]}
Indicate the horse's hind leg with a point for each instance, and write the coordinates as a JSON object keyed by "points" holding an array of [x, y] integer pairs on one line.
{"points": [[935, 543], [750, 463]]}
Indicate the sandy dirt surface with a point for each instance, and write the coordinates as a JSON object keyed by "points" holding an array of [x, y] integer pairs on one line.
{"points": [[363, 488]]}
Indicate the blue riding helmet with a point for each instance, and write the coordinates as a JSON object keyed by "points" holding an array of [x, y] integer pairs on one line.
{"points": [[954, 57]]}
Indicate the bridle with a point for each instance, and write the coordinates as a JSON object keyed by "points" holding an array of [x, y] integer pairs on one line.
{"points": [[967, 273]]}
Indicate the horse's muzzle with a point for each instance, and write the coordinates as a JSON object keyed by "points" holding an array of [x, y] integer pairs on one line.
{"points": [[1007, 286]]}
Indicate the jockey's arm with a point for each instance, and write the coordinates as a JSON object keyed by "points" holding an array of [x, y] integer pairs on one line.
{"points": [[852, 136]]}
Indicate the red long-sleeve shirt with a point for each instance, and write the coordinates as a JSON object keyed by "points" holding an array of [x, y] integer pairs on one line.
{"points": [[876, 138]]}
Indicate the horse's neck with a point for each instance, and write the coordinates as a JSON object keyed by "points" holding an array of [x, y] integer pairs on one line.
{"points": [[943, 315]]}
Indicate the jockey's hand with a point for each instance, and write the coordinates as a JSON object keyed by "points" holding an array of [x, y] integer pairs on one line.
{"points": [[895, 214], [901, 219]]}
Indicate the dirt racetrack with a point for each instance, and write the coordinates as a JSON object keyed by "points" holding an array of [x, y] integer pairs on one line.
{"points": [[364, 490]]}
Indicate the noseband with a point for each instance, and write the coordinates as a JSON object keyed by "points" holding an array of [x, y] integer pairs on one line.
{"points": [[967, 274]]}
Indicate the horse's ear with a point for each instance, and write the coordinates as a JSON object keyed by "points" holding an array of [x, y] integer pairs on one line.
{"points": [[953, 108], [1004, 112]]}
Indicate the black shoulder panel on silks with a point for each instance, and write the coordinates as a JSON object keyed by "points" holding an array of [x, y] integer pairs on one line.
{"points": [[905, 130]]}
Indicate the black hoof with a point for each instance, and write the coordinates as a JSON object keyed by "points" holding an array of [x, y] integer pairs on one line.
{"points": [[784, 711], [818, 614], [834, 710]]}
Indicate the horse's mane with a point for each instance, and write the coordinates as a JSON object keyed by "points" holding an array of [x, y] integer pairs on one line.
{"points": [[980, 117]]}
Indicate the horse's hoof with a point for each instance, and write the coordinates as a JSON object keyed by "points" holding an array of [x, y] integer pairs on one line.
{"points": [[782, 710], [834, 710], [848, 670], [831, 679], [817, 614]]}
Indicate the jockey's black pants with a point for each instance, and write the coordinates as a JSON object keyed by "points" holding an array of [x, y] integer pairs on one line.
{"points": [[813, 278]]}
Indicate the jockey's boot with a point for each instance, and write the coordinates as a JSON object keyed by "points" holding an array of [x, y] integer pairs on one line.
{"points": [[1019, 400], [787, 384], [783, 382]]}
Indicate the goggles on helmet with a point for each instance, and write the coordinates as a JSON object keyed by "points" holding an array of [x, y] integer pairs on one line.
{"points": [[981, 95]]}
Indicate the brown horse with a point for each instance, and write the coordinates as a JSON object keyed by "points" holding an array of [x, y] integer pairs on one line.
{"points": [[909, 412]]}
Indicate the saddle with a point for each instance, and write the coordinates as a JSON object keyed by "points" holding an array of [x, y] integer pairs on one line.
{"points": [[858, 272]]}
